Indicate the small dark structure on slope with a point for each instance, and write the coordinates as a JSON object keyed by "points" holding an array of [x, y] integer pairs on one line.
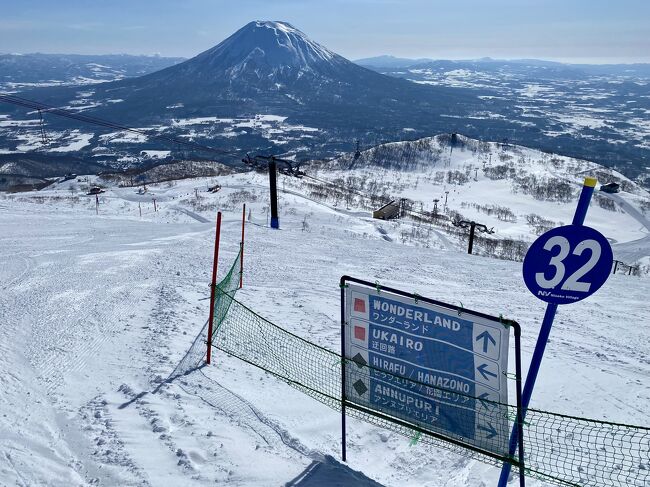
{"points": [[387, 212], [95, 190], [610, 188]]}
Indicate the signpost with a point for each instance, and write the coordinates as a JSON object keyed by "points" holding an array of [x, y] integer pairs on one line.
{"points": [[439, 368], [565, 265]]}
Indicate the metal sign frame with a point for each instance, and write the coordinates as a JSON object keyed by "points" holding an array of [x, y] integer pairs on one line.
{"points": [[346, 403]]}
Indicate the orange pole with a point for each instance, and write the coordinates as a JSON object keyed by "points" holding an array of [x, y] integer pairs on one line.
{"points": [[213, 287], [241, 248]]}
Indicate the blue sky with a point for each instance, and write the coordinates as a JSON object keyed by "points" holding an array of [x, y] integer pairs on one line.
{"points": [[570, 30]]}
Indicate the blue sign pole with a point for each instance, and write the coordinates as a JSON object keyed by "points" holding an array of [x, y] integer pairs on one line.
{"points": [[544, 332]]}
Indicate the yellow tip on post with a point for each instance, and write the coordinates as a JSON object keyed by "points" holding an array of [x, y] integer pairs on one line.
{"points": [[591, 182]]}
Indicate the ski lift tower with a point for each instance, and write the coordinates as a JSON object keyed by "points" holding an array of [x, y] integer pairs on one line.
{"points": [[289, 168]]}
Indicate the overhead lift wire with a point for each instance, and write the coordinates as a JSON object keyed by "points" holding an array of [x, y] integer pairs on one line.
{"points": [[368, 196], [61, 112]]}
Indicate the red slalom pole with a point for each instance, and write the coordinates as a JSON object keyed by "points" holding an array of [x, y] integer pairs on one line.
{"points": [[213, 287], [241, 249]]}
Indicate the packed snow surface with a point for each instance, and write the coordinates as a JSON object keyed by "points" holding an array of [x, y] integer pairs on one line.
{"points": [[97, 309]]}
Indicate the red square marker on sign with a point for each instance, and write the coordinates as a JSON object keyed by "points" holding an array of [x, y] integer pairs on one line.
{"points": [[359, 333], [359, 305]]}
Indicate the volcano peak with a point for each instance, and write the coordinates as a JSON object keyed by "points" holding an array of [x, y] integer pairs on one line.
{"points": [[272, 45]]}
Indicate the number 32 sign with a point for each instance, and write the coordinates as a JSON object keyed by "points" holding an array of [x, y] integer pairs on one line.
{"points": [[567, 264]]}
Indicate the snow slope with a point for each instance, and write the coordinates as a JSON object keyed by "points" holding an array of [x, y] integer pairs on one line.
{"points": [[478, 178], [98, 309]]}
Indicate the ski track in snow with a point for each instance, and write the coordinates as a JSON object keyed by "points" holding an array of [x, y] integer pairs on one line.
{"points": [[242, 411], [636, 249], [191, 214], [98, 310]]}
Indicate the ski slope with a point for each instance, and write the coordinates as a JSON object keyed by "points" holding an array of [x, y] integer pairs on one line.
{"points": [[98, 309], [420, 170]]}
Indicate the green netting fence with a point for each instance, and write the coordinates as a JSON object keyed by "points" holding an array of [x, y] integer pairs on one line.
{"points": [[226, 289], [559, 449]]}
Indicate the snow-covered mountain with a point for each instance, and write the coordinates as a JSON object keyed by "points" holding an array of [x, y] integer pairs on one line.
{"points": [[262, 55], [20, 71], [517, 191], [265, 68], [269, 88], [261, 66], [387, 61], [268, 49]]}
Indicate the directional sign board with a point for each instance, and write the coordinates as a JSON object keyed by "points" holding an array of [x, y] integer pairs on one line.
{"points": [[428, 365], [567, 264]]}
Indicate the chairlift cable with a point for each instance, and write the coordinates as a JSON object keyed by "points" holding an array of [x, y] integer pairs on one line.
{"points": [[61, 112]]}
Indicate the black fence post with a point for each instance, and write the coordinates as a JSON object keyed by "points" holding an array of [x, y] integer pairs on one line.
{"points": [[520, 412], [343, 438], [275, 221]]}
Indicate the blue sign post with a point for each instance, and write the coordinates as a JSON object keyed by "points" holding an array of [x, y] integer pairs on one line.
{"points": [[563, 266]]}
